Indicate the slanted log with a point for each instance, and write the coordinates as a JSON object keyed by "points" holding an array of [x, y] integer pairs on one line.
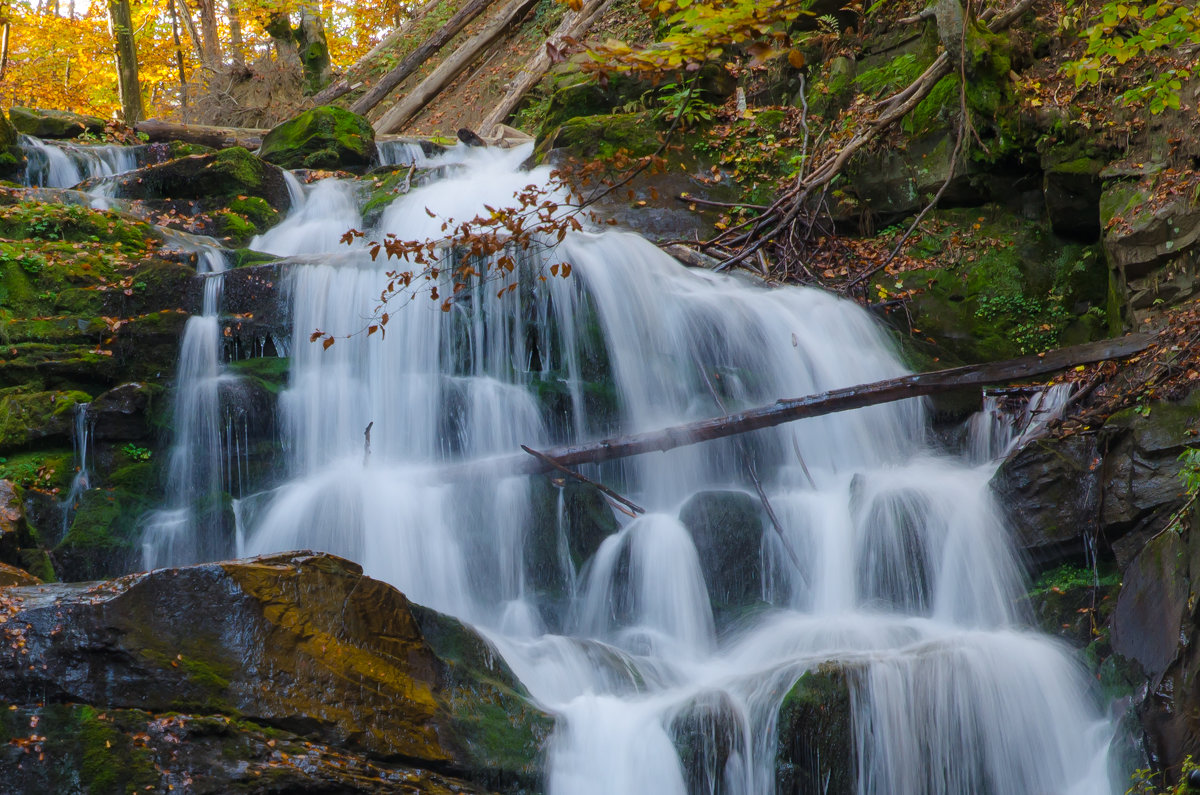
{"points": [[503, 23], [574, 25], [420, 55], [781, 411], [347, 84]]}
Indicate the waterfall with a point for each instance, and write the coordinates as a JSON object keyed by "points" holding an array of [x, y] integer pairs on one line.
{"points": [[54, 164], [193, 526], [81, 438], [904, 579]]}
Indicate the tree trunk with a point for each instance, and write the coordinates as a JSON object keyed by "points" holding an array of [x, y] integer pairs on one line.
{"points": [[211, 37], [279, 28], [348, 84], [237, 47], [574, 25], [190, 26], [313, 49], [4, 49], [453, 66], [909, 386], [127, 67], [183, 84], [420, 55]]}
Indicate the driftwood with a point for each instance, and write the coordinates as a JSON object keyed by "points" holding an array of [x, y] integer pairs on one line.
{"points": [[502, 23], [909, 386], [634, 508], [426, 50], [348, 83], [216, 137], [575, 24]]}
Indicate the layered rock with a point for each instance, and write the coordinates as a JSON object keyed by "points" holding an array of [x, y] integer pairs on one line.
{"points": [[296, 643]]}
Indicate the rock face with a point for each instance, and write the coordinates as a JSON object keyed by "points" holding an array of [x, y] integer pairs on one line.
{"points": [[326, 137], [53, 123], [299, 643]]}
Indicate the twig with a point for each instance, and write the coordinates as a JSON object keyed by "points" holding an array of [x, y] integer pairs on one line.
{"points": [[605, 490], [367, 442]]}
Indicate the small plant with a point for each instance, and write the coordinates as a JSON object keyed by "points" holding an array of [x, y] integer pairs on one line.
{"points": [[1145, 781], [135, 453]]}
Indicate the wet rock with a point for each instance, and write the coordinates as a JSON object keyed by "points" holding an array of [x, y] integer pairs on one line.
{"points": [[1152, 605], [42, 123], [815, 746], [66, 747], [327, 137], [213, 180], [587, 519], [1050, 490], [1074, 603], [707, 732], [727, 528], [120, 413], [299, 642]]}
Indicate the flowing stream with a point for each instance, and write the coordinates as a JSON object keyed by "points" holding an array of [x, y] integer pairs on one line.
{"points": [[892, 566]]}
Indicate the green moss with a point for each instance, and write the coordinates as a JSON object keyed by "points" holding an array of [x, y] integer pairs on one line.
{"points": [[815, 747], [324, 137], [601, 137], [26, 416], [234, 226], [43, 469], [270, 371], [255, 209], [248, 257], [37, 562]]}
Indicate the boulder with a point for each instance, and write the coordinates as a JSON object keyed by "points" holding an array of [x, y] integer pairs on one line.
{"points": [[214, 180], [42, 123], [727, 528], [814, 749], [327, 137], [297, 642], [33, 416]]}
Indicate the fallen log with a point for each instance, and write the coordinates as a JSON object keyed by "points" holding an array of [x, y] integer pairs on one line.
{"points": [[781, 411], [422, 94], [574, 25], [203, 134], [426, 50], [356, 70]]}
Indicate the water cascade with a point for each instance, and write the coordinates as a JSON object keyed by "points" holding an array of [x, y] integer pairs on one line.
{"points": [[81, 438], [54, 164], [904, 585]]}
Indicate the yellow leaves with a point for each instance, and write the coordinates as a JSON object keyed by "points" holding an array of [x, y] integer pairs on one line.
{"points": [[795, 59]]}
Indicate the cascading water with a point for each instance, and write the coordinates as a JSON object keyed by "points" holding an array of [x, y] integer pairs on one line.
{"points": [[81, 437], [903, 578], [64, 165]]}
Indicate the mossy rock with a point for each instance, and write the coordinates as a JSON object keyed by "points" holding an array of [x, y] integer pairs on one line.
{"points": [[213, 180], [603, 136], [297, 642], [727, 529], [707, 733], [12, 158], [26, 417], [70, 748], [42, 123], [327, 137], [815, 742], [104, 539]]}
